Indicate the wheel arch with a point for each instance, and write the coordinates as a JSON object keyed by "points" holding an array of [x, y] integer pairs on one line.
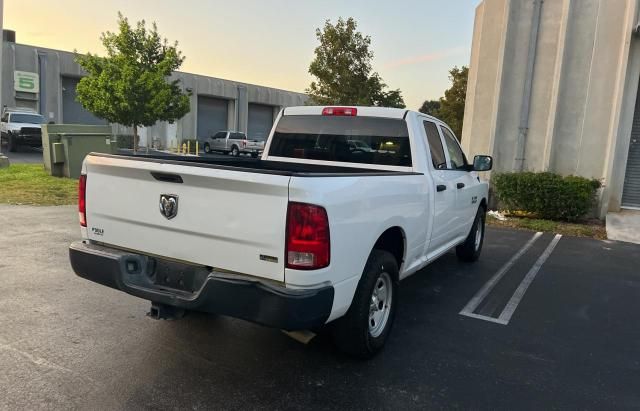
{"points": [[394, 241]]}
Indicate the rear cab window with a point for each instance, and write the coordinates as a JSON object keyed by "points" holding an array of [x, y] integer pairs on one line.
{"points": [[357, 139]]}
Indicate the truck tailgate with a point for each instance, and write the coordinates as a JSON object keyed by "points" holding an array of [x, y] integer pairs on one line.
{"points": [[226, 219]]}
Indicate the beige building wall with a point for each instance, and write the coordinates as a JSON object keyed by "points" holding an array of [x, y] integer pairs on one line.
{"points": [[584, 86]]}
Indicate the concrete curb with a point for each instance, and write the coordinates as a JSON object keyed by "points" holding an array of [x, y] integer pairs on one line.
{"points": [[4, 161]]}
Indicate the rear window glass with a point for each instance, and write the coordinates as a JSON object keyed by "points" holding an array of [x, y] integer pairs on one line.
{"points": [[368, 140]]}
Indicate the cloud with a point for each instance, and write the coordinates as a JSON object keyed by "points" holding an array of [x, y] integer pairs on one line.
{"points": [[425, 58]]}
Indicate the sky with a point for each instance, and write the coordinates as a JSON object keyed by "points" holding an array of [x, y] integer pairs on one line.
{"points": [[268, 42]]}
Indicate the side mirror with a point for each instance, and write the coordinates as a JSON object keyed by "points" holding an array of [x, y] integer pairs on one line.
{"points": [[482, 163]]}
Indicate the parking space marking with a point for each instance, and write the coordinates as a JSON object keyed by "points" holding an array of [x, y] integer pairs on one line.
{"points": [[477, 299], [511, 306]]}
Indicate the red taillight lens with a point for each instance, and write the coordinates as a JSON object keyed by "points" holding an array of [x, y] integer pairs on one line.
{"points": [[307, 237], [82, 200], [340, 111]]}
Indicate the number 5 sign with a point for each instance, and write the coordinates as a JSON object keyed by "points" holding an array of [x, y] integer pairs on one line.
{"points": [[25, 81]]}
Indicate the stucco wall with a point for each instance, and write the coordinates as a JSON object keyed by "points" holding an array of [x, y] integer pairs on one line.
{"points": [[580, 87]]}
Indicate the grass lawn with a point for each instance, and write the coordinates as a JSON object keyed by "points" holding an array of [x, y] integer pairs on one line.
{"points": [[592, 229], [30, 184]]}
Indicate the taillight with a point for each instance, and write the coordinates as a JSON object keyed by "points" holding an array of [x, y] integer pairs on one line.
{"points": [[340, 111], [307, 237], [82, 200]]}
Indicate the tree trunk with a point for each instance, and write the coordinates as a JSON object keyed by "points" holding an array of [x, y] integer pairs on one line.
{"points": [[135, 138]]}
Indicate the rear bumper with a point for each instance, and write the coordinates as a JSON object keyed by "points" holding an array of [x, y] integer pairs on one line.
{"points": [[201, 289]]}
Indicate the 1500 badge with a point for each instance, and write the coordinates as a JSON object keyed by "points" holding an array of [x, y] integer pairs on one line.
{"points": [[474, 199]]}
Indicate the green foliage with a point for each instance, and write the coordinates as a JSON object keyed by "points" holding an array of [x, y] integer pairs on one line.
{"points": [[546, 195], [342, 67], [131, 85], [430, 107], [31, 184], [452, 104], [450, 108], [124, 141]]}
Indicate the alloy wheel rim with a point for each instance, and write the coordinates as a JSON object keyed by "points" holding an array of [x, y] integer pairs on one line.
{"points": [[380, 305], [478, 236]]}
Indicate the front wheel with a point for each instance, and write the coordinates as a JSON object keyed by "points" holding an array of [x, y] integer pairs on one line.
{"points": [[207, 148], [469, 251], [13, 144], [364, 329]]}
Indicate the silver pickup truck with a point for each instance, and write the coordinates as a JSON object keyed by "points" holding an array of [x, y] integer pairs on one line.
{"points": [[234, 143]]}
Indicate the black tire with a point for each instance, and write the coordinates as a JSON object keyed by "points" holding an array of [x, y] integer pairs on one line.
{"points": [[352, 333], [235, 152], [207, 148], [469, 251], [12, 143]]}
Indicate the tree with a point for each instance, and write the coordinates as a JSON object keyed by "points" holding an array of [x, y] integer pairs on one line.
{"points": [[342, 67], [430, 107], [451, 109], [131, 85]]}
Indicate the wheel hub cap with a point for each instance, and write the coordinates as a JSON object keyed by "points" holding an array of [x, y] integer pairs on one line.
{"points": [[380, 306]]}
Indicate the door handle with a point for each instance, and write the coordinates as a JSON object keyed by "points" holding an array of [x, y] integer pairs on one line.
{"points": [[460, 185], [440, 187]]}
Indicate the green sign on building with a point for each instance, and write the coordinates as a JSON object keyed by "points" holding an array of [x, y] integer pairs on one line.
{"points": [[26, 82]]}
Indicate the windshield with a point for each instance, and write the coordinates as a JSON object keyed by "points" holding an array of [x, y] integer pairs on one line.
{"points": [[27, 118], [368, 140]]}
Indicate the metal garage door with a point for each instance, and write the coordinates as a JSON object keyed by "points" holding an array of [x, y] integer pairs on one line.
{"points": [[631, 191], [72, 110], [260, 121], [212, 116]]}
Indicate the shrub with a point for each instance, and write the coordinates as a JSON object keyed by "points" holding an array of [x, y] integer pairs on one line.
{"points": [[124, 141], [547, 195]]}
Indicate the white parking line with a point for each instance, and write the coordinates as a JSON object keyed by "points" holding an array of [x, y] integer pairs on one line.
{"points": [[511, 306], [486, 289]]}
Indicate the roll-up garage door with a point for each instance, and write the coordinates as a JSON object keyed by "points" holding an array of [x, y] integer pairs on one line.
{"points": [[260, 121], [72, 110], [631, 191], [212, 116]]}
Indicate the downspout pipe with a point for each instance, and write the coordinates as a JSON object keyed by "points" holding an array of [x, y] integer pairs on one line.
{"points": [[523, 129]]}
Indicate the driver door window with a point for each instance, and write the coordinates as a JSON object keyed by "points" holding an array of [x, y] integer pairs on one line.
{"points": [[456, 156]]}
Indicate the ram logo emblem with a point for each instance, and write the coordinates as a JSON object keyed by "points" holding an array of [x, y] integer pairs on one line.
{"points": [[168, 205]]}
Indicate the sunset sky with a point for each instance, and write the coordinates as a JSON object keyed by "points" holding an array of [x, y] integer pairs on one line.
{"points": [[268, 42]]}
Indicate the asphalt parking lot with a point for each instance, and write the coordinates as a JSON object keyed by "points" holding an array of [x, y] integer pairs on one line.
{"points": [[25, 155], [572, 341]]}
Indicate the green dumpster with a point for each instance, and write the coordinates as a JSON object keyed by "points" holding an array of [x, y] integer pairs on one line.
{"points": [[66, 145]]}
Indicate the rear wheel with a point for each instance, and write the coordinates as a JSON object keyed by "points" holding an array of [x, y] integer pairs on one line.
{"points": [[234, 151], [469, 251], [207, 148], [364, 329]]}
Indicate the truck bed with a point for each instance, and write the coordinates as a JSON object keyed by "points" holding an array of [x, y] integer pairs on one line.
{"points": [[257, 165]]}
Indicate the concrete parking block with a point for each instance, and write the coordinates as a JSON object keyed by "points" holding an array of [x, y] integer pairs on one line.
{"points": [[4, 161]]}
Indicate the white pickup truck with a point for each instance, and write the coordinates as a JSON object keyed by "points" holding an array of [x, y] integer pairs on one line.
{"points": [[316, 231]]}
